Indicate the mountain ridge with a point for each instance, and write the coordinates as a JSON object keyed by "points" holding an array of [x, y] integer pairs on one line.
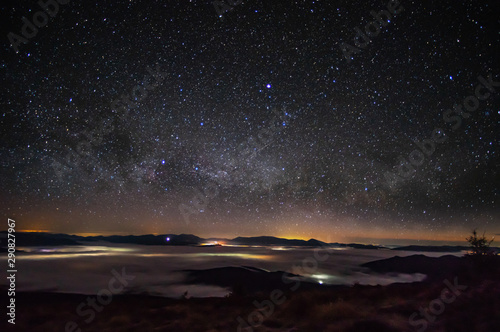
{"points": [[60, 239]]}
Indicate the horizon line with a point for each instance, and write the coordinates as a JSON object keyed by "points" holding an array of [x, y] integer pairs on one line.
{"points": [[82, 234]]}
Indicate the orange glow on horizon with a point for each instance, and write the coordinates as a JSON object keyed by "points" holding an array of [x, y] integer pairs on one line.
{"points": [[373, 236]]}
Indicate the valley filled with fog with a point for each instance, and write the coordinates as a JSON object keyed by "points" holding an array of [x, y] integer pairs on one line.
{"points": [[161, 270]]}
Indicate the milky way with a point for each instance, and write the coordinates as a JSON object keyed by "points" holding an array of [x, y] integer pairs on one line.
{"points": [[166, 116]]}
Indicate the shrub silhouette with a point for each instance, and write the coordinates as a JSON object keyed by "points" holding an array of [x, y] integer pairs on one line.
{"points": [[479, 245]]}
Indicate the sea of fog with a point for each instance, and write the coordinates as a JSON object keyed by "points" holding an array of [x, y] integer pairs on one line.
{"points": [[157, 270]]}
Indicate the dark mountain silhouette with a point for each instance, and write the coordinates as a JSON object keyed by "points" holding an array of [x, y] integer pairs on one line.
{"points": [[51, 239], [275, 241], [150, 239], [246, 280], [433, 267], [26, 239]]}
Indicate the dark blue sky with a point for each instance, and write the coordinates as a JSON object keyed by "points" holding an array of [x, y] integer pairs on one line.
{"points": [[161, 116]]}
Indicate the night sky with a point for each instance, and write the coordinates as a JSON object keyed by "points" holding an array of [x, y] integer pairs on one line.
{"points": [[138, 117]]}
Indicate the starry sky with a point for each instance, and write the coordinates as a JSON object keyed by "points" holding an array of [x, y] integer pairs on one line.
{"points": [[283, 118]]}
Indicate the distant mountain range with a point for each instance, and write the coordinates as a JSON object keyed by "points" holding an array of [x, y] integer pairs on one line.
{"points": [[26, 239], [275, 241]]}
